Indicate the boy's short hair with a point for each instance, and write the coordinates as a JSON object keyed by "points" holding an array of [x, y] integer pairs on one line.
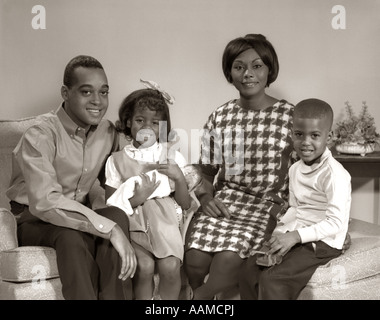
{"points": [[314, 109], [263, 48], [78, 61]]}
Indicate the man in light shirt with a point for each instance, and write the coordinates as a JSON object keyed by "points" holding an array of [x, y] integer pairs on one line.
{"points": [[55, 164], [314, 228]]}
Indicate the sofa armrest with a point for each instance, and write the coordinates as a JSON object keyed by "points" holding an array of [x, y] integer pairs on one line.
{"points": [[8, 230]]}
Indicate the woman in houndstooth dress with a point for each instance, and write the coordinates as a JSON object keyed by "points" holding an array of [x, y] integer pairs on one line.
{"points": [[247, 146]]}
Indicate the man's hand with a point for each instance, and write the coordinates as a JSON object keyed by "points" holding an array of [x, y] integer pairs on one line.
{"points": [[126, 252]]}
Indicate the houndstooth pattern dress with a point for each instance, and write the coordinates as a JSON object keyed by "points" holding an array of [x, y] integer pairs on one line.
{"points": [[250, 152]]}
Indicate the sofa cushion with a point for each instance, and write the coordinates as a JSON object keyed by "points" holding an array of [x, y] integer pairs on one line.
{"points": [[28, 263], [364, 289], [360, 261], [45, 290], [353, 275], [8, 226]]}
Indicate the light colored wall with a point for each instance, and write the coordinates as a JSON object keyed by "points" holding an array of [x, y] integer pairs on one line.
{"points": [[179, 44]]}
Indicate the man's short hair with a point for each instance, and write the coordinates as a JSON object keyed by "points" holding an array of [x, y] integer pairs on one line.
{"points": [[79, 61]]}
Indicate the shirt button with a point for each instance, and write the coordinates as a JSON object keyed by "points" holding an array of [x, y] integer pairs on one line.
{"points": [[79, 190], [85, 169], [101, 226]]}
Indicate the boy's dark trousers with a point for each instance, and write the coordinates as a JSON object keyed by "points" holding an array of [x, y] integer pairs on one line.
{"points": [[88, 266], [286, 280]]}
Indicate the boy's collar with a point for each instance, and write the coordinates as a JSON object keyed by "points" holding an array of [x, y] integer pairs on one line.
{"points": [[307, 169], [70, 126]]}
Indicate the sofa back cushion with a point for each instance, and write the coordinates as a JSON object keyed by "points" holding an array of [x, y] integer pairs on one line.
{"points": [[10, 133]]}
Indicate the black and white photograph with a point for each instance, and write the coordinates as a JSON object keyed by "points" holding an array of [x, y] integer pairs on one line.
{"points": [[189, 156]]}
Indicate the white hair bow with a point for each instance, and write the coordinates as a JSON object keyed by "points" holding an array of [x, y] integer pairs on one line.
{"points": [[154, 86]]}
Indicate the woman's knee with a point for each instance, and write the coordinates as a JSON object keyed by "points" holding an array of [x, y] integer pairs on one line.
{"points": [[197, 259], [228, 260]]}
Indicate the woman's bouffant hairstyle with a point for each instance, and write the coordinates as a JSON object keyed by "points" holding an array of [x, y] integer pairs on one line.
{"points": [[143, 98], [263, 48]]}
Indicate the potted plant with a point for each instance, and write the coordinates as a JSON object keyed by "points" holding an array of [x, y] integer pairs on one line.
{"points": [[356, 134]]}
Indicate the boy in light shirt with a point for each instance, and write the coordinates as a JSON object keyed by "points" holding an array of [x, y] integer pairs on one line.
{"points": [[313, 230]]}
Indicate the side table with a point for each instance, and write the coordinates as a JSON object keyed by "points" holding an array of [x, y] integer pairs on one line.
{"points": [[365, 167]]}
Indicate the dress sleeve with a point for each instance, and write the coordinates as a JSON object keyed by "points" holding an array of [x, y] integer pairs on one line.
{"points": [[211, 148], [35, 158], [113, 177]]}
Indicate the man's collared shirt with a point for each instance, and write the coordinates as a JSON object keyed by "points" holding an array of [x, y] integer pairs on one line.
{"points": [[54, 167]]}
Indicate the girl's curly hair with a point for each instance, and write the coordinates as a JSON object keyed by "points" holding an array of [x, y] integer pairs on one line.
{"points": [[143, 98]]}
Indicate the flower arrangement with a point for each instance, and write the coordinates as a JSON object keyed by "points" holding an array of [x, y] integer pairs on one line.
{"points": [[356, 134]]}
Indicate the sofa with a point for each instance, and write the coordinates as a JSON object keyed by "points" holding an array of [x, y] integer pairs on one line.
{"points": [[31, 272], [26, 273]]}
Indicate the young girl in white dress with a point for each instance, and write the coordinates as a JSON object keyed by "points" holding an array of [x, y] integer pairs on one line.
{"points": [[146, 181]]}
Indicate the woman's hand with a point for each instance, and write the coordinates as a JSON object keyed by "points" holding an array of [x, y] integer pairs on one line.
{"points": [[126, 252], [213, 207]]}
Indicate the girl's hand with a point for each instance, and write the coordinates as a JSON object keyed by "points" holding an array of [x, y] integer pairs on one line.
{"points": [[181, 193], [144, 190], [172, 170]]}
